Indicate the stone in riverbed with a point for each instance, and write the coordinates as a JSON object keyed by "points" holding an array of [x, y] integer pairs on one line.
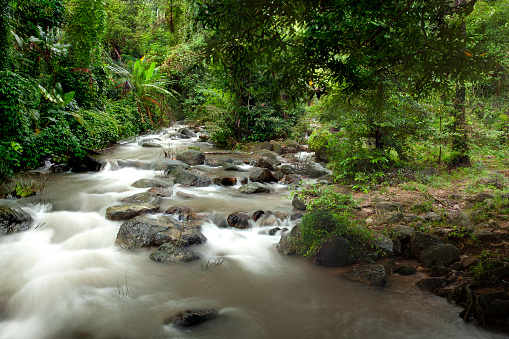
{"points": [[168, 165], [299, 203], [216, 162], [255, 187], [13, 220], [143, 198], [372, 275], [151, 144], [315, 170], [257, 215], [142, 232], [238, 220], [232, 167], [191, 157], [289, 242], [168, 253], [145, 183], [186, 177], [184, 195], [183, 212], [261, 175], [406, 270], [420, 241], [193, 317], [224, 181], [129, 211], [161, 191]]}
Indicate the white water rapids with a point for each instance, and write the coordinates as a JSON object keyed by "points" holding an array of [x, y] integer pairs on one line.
{"points": [[66, 278]]}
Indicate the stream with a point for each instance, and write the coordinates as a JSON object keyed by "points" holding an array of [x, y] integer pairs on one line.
{"points": [[66, 278]]}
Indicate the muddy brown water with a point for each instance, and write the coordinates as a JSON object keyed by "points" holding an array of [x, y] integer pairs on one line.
{"points": [[68, 279]]}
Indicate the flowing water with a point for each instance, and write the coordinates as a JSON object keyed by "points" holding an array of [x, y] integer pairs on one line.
{"points": [[66, 278]]}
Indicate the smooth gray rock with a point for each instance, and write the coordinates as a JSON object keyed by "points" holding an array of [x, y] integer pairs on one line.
{"points": [[261, 175], [287, 169], [129, 211], [289, 242], [146, 183], [299, 203], [189, 178], [168, 165], [168, 253], [191, 157], [383, 244], [161, 192], [216, 162], [142, 232], [13, 220], [255, 187], [232, 167], [143, 198]]}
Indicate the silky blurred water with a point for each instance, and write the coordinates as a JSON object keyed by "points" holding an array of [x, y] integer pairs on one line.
{"points": [[66, 278]]}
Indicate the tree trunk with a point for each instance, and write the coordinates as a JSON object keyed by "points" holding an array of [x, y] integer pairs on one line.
{"points": [[460, 147]]}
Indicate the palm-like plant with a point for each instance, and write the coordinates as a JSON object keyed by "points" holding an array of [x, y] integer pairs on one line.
{"points": [[146, 85]]}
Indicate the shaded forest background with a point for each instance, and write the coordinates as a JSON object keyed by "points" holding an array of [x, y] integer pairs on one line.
{"points": [[376, 85]]}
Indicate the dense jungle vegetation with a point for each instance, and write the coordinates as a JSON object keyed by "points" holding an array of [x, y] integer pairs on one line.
{"points": [[388, 83]]}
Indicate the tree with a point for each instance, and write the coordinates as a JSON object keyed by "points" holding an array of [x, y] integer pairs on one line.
{"points": [[364, 47]]}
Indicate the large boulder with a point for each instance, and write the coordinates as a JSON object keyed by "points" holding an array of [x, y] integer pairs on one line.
{"points": [[261, 175], [334, 251], [189, 178], [315, 170], [146, 183], [299, 203], [232, 167], [420, 241], [184, 133], [13, 220], [255, 187], [193, 317], [383, 244], [371, 274], [238, 220], [169, 253], [161, 191], [440, 255], [191, 157], [129, 211], [183, 212], [143, 198], [265, 162], [142, 232]]}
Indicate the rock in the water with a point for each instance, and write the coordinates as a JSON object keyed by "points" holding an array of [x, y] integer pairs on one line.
{"points": [[261, 175], [143, 198], [420, 241], [406, 270], [334, 251], [440, 255], [189, 178], [151, 144], [431, 284], [141, 232], [161, 191], [296, 216], [183, 212], [299, 203], [191, 157], [270, 220], [146, 183], [86, 164], [129, 211], [13, 220], [194, 317], [169, 253], [289, 242], [168, 165], [315, 170], [258, 214], [255, 187], [216, 162], [185, 133], [225, 181], [372, 274], [232, 167], [238, 220]]}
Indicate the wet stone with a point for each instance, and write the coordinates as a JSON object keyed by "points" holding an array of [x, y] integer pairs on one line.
{"points": [[193, 317]]}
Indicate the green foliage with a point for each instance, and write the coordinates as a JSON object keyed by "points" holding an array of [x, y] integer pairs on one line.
{"points": [[85, 24], [4, 32], [27, 15]]}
